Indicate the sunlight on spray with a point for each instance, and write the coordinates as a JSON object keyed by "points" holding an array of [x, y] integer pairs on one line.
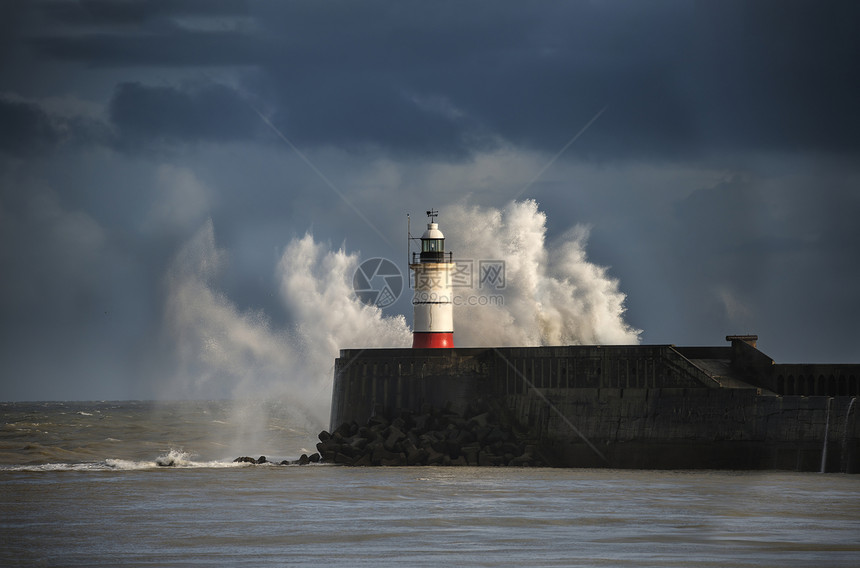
{"points": [[552, 294]]}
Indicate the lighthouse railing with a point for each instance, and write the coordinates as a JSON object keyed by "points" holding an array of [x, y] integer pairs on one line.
{"points": [[418, 257]]}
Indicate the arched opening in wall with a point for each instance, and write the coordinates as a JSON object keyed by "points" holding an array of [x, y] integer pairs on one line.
{"points": [[852, 385], [831, 386], [790, 385], [809, 390], [780, 385], [821, 386]]}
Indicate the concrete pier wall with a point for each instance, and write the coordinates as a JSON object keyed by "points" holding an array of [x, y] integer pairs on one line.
{"points": [[619, 406], [692, 428]]}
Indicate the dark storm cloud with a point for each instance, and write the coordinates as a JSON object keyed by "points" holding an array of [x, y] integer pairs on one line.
{"points": [[29, 130], [26, 128], [778, 75], [169, 48], [66, 298], [779, 248], [752, 221], [135, 11], [364, 114], [529, 79], [110, 34], [142, 114], [681, 80]]}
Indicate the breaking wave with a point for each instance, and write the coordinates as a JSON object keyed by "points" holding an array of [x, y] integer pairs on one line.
{"points": [[223, 351], [178, 459], [552, 294]]}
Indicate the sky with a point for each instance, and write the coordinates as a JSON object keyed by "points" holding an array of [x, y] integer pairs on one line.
{"points": [[161, 157]]}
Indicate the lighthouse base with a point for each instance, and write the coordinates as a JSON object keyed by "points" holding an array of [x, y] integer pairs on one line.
{"points": [[432, 340]]}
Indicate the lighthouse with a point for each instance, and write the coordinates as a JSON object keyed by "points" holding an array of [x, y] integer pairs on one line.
{"points": [[432, 303]]}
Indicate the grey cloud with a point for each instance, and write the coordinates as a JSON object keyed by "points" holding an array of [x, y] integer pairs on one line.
{"points": [[174, 48], [134, 11], [772, 253], [681, 81], [70, 325], [26, 128], [778, 76], [210, 112], [365, 115], [29, 130], [105, 33]]}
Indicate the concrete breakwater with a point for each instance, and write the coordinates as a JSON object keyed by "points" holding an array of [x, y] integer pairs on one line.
{"points": [[694, 428], [620, 406]]}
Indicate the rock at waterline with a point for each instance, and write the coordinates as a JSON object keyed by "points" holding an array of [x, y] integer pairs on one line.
{"points": [[303, 460], [246, 459]]}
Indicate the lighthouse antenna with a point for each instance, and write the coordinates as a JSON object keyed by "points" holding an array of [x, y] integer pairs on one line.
{"points": [[408, 239]]}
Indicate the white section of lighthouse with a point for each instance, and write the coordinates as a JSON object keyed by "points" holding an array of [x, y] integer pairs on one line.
{"points": [[433, 300]]}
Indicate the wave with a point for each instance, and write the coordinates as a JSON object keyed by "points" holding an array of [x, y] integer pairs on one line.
{"points": [[173, 458], [177, 459]]}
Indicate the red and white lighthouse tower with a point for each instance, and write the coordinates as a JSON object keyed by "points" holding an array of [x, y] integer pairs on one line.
{"points": [[432, 302]]}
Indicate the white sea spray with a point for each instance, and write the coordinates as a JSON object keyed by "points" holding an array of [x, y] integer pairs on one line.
{"points": [[552, 294], [222, 351]]}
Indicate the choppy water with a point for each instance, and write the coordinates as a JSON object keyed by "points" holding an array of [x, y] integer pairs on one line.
{"points": [[79, 486]]}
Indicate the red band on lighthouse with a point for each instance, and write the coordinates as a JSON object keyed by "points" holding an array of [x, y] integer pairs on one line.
{"points": [[421, 340]]}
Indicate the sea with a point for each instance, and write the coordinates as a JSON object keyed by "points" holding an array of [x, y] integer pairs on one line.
{"points": [[81, 485]]}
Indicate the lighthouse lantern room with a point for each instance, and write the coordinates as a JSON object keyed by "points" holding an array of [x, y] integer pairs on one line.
{"points": [[432, 302]]}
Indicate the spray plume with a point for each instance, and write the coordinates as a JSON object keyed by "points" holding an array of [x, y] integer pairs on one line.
{"points": [[226, 353], [551, 295]]}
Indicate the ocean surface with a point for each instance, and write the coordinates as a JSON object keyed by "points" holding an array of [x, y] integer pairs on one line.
{"points": [[80, 485]]}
